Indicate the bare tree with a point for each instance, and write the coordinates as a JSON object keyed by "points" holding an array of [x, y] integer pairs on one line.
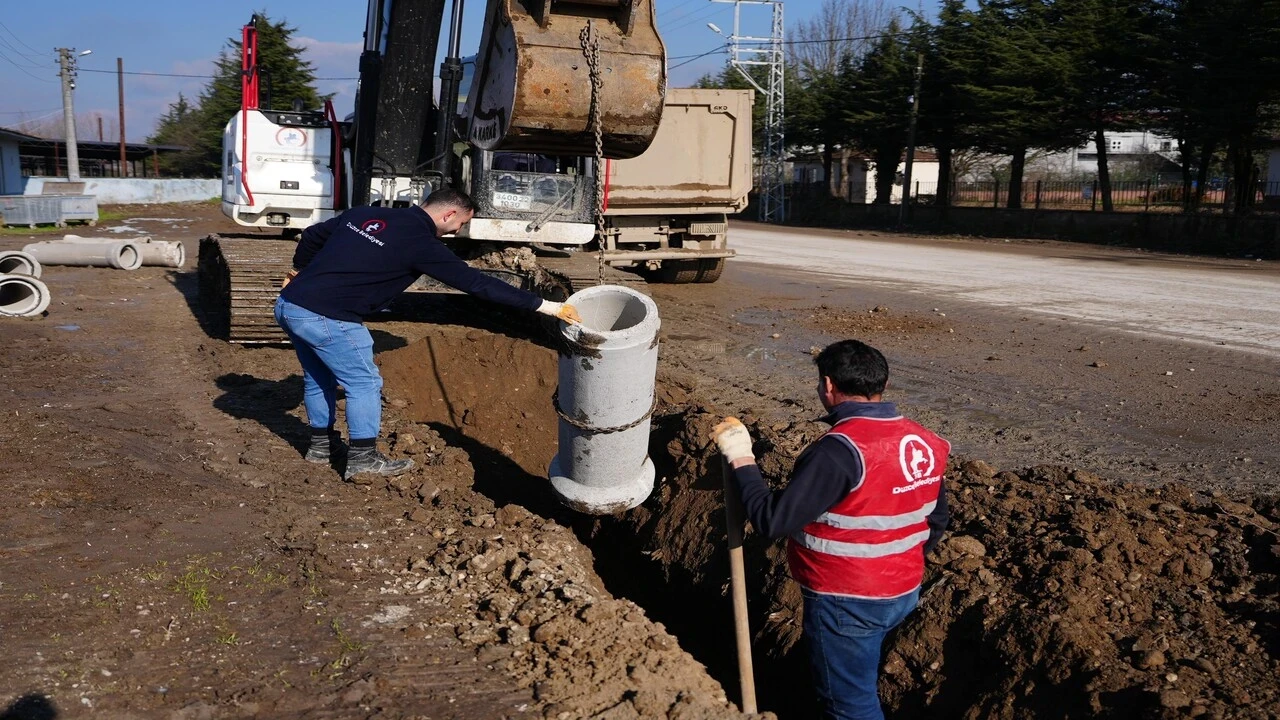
{"points": [[50, 127], [840, 28]]}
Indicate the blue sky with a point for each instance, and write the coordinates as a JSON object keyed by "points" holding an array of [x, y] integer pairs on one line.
{"points": [[183, 38]]}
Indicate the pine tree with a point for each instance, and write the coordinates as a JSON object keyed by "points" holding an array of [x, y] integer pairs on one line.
{"points": [[1020, 72], [284, 76], [178, 127], [878, 90]]}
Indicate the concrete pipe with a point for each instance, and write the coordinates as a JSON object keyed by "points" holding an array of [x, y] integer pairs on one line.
{"points": [[605, 401], [22, 296], [155, 253], [16, 262], [123, 255]]}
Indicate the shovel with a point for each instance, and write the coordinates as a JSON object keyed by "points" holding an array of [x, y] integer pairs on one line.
{"points": [[738, 583]]}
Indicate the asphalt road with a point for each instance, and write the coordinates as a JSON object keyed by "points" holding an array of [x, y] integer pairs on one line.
{"points": [[1194, 300]]}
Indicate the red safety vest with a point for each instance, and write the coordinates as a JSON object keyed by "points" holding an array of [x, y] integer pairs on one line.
{"points": [[870, 544]]}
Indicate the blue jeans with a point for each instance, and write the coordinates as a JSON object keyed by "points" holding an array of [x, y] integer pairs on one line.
{"points": [[334, 352], [845, 635]]}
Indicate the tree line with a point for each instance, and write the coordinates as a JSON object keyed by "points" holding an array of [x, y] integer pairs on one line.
{"points": [[1008, 77], [197, 126]]}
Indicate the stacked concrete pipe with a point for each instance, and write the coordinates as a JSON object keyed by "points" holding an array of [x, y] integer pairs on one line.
{"points": [[605, 400], [16, 262], [155, 253], [22, 296], [123, 255]]}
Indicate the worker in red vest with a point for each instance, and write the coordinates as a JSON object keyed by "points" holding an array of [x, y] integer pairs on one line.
{"points": [[865, 503]]}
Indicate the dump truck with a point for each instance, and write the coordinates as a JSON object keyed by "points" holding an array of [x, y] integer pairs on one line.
{"points": [[667, 210]]}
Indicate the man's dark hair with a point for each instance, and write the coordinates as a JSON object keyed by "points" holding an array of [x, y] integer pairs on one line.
{"points": [[855, 368], [448, 197]]}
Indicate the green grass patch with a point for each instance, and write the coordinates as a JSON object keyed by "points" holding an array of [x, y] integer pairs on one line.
{"points": [[194, 585]]}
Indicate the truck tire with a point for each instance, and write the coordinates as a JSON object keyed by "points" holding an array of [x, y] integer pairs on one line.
{"points": [[683, 272]]}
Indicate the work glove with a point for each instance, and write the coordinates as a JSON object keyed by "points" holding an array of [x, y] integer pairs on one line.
{"points": [[734, 439], [287, 278], [563, 311]]}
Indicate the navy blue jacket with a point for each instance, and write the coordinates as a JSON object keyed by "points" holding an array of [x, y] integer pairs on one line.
{"points": [[825, 473], [356, 263]]}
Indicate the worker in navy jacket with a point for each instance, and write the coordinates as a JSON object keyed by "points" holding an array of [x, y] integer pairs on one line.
{"points": [[351, 266], [865, 503]]}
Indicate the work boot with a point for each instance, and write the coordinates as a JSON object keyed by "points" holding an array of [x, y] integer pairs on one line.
{"points": [[369, 460], [325, 445]]}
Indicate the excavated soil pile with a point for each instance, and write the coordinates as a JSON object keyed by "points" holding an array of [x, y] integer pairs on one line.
{"points": [[1055, 594], [520, 589], [493, 389], [524, 590]]}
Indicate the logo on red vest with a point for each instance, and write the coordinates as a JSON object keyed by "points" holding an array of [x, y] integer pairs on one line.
{"points": [[373, 227], [916, 458]]}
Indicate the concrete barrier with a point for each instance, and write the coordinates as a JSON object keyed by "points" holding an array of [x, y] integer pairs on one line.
{"points": [[142, 191]]}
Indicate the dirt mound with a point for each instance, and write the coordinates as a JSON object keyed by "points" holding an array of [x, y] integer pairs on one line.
{"points": [[524, 589], [1055, 593], [878, 320], [493, 389], [1094, 598], [523, 593]]}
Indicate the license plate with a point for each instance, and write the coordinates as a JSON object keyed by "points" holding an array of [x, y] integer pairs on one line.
{"points": [[512, 201]]}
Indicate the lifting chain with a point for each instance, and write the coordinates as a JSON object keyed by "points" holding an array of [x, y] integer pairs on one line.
{"points": [[591, 429], [590, 41]]}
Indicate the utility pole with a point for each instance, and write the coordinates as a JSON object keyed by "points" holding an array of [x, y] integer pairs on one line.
{"points": [[766, 52], [67, 70], [911, 141], [120, 82]]}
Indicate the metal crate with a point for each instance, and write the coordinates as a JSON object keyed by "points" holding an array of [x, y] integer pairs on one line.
{"points": [[31, 210], [79, 207]]}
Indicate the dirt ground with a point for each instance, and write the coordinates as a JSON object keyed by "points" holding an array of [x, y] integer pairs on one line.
{"points": [[166, 552]]}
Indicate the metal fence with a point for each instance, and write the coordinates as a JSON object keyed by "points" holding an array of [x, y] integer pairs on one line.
{"points": [[1133, 196]]}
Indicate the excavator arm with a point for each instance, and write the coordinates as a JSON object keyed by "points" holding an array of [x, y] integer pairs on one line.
{"points": [[532, 90]]}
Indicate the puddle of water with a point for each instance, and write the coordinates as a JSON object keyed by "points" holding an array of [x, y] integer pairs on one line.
{"points": [[66, 327]]}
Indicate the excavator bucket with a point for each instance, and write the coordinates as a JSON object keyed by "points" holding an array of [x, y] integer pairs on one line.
{"points": [[532, 87]]}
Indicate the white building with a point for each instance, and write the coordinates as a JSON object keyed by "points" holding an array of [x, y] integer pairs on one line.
{"points": [[1141, 151], [859, 177]]}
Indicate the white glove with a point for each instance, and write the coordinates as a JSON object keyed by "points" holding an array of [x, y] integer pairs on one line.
{"points": [[734, 439], [564, 311]]}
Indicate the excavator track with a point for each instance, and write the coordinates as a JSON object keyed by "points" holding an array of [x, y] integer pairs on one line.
{"points": [[239, 281]]}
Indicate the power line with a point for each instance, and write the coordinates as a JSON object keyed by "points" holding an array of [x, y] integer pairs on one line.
{"points": [[184, 75], [720, 49], [694, 17], [34, 60], [677, 7], [24, 112], [698, 55], [25, 121], [24, 70], [19, 39], [831, 40]]}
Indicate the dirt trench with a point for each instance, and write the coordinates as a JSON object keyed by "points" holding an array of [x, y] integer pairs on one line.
{"points": [[1055, 594]]}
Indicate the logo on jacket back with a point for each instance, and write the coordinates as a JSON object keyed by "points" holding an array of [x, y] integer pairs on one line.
{"points": [[916, 458], [373, 227]]}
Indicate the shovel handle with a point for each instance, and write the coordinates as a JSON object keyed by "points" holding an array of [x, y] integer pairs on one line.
{"points": [[738, 584]]}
